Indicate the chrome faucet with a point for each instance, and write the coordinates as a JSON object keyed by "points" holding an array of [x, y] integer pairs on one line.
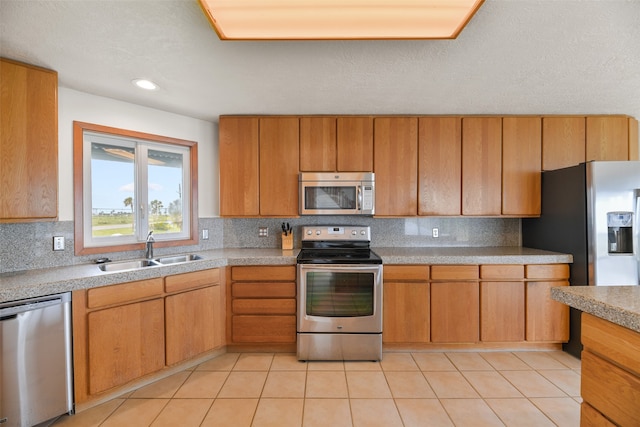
{"points": [[149, 252]]}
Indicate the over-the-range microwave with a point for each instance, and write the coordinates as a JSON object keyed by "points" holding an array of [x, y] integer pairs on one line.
{"points": [[337, 193]]}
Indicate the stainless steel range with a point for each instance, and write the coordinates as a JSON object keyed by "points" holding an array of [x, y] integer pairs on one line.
{"points": [[339, 295]]}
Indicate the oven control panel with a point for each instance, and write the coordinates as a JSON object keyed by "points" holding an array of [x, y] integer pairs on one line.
{"points": [[336, 232]]}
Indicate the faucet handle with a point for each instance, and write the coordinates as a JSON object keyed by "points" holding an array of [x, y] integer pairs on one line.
{"points": [[150, 236]]}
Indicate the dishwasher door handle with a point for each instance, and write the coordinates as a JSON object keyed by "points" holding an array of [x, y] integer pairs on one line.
{"points": [[29, 306]]}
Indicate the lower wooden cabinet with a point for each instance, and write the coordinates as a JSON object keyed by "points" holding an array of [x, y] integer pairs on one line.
{"points": [[455, 304], [406, 304], [474, 305], [124, 343], [126, 331], [610, 380], [261, 306]]}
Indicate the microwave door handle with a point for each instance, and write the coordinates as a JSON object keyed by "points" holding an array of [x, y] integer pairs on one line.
{"points": [[359, 198]]}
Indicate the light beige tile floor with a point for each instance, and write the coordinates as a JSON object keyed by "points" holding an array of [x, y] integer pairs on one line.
{"points": [[404, 389]]}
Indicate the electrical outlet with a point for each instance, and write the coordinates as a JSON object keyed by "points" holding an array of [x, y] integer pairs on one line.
{"points": [[205, 234], [58, 243], [263, 231], [435, 232]]}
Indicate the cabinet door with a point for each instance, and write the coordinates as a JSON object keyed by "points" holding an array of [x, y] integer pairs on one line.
{"points": [[455, 312], [406, 312], [546, 319], [28, 142], [355, 144], [192, 325], [239, 168], [634, 144], [481, 165], [124, 343], [279, 166], [607, 138], [439, 166], [317, 144], [563, 142], [501, 311], [521, 165], [396, 165]]}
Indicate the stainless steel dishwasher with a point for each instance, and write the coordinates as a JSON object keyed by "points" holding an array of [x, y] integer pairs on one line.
{"points": [[36, 369]]}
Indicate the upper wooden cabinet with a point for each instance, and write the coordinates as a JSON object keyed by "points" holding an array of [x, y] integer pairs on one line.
{"points": [[607, 138], [239, 166], [279, 166], [259, 164], [432, 166], [439, 165], [318, 144], [355, 144], [396, 165], [570, 140], [563, 142], [330, 144], [521, 165], [481, 165], [28, 142]]}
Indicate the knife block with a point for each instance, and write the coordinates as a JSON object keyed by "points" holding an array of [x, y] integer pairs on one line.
{"points": [[287, 241]]}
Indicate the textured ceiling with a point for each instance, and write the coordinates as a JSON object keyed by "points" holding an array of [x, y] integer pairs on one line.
{"points": [[515, 56]]}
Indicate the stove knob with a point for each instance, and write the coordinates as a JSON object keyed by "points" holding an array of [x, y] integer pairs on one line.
{"points": [[363, 232], [354, 232], [318, 232], [309, 232]]}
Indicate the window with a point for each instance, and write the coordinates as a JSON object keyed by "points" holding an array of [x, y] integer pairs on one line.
{"points": [[128, 184]]}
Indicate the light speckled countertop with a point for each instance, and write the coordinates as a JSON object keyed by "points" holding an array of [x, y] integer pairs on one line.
{"points": [[617, 304], [32, 283]]}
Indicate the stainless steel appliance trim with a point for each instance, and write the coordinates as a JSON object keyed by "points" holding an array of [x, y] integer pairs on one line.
{"points": [[339, 346], [357, 180], [363, 324], [36, 384]]}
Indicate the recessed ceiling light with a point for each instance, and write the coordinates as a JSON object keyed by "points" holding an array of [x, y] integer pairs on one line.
{"points": [[145, 84], [338, 19]]}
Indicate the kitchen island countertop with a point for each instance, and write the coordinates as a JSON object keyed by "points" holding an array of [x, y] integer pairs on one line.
{"points": [[617, 304], [33, 283]]}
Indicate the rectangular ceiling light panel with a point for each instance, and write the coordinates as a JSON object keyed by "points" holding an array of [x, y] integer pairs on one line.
{"points": [[338, 20]]}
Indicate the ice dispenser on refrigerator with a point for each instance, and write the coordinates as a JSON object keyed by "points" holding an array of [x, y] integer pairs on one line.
{"points": [[620, 231]]}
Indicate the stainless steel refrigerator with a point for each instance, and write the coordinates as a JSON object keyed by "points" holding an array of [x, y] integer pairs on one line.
{"points": [[590, 211]]}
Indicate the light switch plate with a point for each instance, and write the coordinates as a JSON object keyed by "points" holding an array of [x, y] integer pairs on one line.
{"points": [[435, 232], [58, 243], [205, 234]]}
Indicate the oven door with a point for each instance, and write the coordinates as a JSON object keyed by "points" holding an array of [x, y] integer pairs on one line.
{"points": [[340, 298]]}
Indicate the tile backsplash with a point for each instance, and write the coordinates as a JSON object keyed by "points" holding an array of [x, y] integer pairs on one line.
{"points": [[26, 246]]}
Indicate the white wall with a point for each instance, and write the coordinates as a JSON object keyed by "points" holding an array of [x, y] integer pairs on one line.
{"points": [[84, 107]]}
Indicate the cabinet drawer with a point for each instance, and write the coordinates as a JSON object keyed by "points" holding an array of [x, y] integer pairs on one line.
{"points": [[591, 417], [264, 306], [454, 272], [271, 273], [124, 293], [262, 329], [264, 290], [611, 390], [406, 272], [619, 344], [509, 272], [180, 282], [547, 271]]}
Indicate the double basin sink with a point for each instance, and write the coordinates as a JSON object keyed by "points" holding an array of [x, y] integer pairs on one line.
{"points": [[142, 263]]}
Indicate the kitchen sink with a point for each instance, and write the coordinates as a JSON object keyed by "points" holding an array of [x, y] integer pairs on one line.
{"points": [[128, 265], [142, 263], [177, 259]]}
